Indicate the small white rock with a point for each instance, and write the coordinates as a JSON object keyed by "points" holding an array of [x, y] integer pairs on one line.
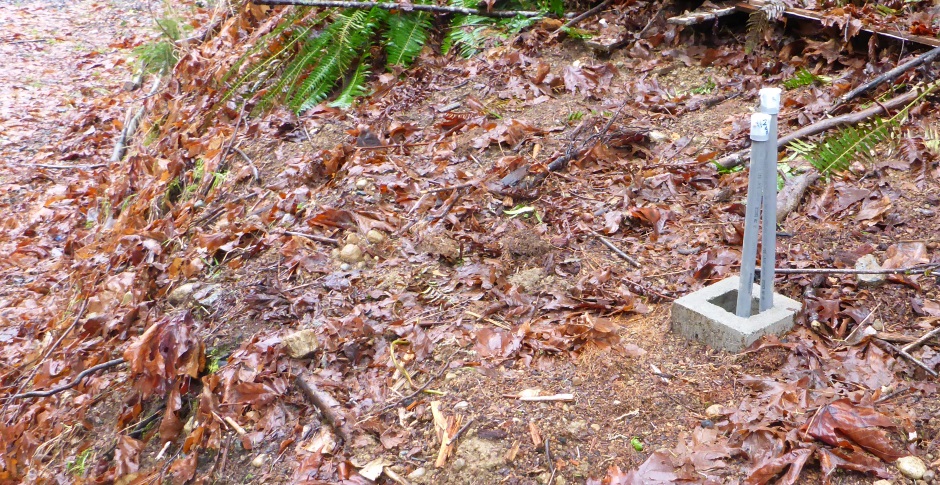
{"points": [[418, 473], [362, 183], [375, 236], [714, 411], [182, 293], [301, 344], [461, 405], [460, 464], [911, 467], [882, 482], [259, 460], [353, 238], [350, 253], [869, 263]]}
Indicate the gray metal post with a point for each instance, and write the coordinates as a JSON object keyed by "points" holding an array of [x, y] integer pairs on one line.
{"points": [[760, 133], [769, 104]]}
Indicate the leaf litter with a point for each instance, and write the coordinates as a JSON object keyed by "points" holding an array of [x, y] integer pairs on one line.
{"points": [[427, 325]]}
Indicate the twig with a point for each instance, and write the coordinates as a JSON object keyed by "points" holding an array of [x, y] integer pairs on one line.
{"points": [[130, 126], [67, 167], [410, 397], [919, 269], [246, 158], [907, 356], [78, 379], [326, 404], [461, 431], [582, 16], [313, 237], [78, 316], [626, 257], [452, 187], [921, 341], [739, 157], [395, 477], [550, 460], [397, 6], [789, 198], [891, 75], [553, 397], [700, 16]]}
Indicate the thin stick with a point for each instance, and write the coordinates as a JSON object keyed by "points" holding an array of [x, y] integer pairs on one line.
{"points": [[78, 379], [397, 6], [553, 397], [68, 167], [919, 269], [254, 170], [461, 431], [326, 404], [739, 157], [78, 316], [626, 257], [313, 237], [568, 24], [917, 343], [891, 75], [120, 146], [907, 356], [410, 397]]}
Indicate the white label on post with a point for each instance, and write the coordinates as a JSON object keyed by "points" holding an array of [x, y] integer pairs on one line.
{"points": [[760, 126], [770, 100]]}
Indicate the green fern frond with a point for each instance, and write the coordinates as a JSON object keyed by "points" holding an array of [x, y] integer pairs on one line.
{"points": [[282, 24], [406, 36], [836, 152], [757, 24], [349, 37], [802, 78], [355, 88], [466, 33]]}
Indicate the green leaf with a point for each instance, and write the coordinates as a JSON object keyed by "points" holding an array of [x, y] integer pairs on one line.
{"points": [[406, 36]]}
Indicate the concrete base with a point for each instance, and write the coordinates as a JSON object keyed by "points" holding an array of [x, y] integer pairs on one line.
{"points": [[708, 316]]}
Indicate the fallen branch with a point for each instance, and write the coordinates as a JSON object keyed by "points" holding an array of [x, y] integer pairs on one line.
{"points": [[738, 158], [700, 16], [313, 237], [903, 353], [919, 269], [130, 127], [891, 75], [626, 257], [802, 13], [69, 167], [329, 407], [582, 16], [553, 397], [408, 399], [506, 14], [789, 198], [78, 379]]}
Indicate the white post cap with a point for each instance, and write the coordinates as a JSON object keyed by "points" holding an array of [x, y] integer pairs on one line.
{"points": [[760, 126], [770, 100]]}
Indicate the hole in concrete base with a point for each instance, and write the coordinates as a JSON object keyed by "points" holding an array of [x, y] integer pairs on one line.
{"points": [[729, 302]]}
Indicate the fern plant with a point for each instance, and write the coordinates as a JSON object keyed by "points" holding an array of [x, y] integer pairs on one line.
{"points": [[836, 152], [309, 54], [759, 22], [802, 78]]}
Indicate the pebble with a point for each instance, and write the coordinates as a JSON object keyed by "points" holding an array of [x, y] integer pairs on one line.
{"points": [[345, 267], [375, 237], [350, 253], [878, 325], [353, 238], [714, 411], [577, 380], [911, 467], [259, 460], [868, 262], [335, 253], [418, 473], [882, 482], [450, 376], [462, 405], [460, 464], [596, 427], [707, 424], [362, 183], [930, 475], [301, 344]]}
